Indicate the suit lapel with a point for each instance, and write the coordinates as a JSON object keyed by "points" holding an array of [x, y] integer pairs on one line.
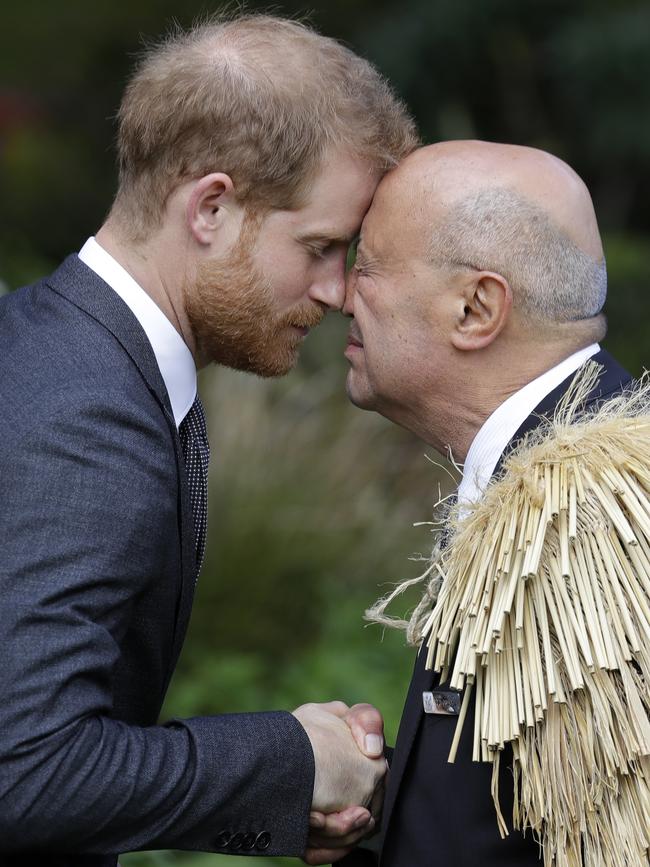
{"points": [[613, 378], [80, 285], [408, 727], [86, 290]]}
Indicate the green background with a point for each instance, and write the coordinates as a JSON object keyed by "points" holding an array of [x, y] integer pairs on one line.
{"points": [[312, 502]]}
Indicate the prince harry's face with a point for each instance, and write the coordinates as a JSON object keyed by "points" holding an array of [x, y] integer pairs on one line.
{"points": [[252, 308]]}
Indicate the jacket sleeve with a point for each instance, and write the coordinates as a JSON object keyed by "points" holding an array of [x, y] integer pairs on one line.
{"points": [[85, 487]]}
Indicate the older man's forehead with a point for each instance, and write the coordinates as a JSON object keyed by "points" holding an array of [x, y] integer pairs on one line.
{"points": [[398, 223]]}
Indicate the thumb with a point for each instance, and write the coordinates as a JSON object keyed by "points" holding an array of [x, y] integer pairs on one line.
{"points": [[367, 727]]}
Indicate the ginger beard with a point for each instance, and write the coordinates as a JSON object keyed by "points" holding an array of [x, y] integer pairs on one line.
{"points": [[232, 310]]}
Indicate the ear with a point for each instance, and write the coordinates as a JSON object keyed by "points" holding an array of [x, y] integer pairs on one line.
{"points": [[486, 303], [207, 208]]}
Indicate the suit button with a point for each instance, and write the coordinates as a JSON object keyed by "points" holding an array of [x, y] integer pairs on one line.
{"points": [[223, 839], [248, 842], [263, 841], [236, 840]]}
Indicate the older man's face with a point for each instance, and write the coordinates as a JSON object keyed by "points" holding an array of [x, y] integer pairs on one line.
{"points": [[396, 341]]}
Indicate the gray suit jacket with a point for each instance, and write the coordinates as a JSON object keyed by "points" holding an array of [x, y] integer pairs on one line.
{"points": [[97, 571]]}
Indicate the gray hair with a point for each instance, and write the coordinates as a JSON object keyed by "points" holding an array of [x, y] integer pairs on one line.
{"points": [[500, 230]]}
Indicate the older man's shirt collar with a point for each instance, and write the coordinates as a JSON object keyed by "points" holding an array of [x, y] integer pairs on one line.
{"points": [[497, 431], [173, 356]]}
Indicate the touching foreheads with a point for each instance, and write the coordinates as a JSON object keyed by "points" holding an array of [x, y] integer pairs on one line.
{"points": [[257, 97]]}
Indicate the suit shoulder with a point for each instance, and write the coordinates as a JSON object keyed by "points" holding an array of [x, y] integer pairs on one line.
{"points": [[53, 353]]}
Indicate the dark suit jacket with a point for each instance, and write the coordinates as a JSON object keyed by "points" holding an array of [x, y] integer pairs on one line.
{"points": [[437, 813], [97, 571]]}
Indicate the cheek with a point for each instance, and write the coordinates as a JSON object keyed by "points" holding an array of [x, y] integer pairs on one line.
{"points": [[392, 347], [290, 281], [383, 328]]}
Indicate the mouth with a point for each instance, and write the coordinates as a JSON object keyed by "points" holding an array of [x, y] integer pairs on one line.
{"points": [[354, 346], [354, 341]]}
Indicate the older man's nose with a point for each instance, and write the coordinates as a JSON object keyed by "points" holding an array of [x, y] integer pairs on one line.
{"points": [[348, 303]]}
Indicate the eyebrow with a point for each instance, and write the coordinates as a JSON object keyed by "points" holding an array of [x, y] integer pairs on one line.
{"points": [[327, 238]]}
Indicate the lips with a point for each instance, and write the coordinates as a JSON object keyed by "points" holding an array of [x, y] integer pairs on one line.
{"points": [[354, 339]]}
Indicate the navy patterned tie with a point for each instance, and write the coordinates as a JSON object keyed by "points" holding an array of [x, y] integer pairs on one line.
{"points": [[196, 451]]}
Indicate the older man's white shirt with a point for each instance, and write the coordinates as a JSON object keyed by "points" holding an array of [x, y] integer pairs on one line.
{"points": [[497, 431]]}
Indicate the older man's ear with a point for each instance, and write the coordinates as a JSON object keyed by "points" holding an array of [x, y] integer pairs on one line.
{"points": [[484, 305]]}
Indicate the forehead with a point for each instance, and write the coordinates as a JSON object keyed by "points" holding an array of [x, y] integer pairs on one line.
{"points": [[397, 225], [337, 199]]}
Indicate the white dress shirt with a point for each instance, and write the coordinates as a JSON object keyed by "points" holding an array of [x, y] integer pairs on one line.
{"points": [[497, 431], [174, 358]]}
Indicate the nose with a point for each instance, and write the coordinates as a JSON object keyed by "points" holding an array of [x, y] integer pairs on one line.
{"points": [[329, 288], [348, 303], [330, 293]]}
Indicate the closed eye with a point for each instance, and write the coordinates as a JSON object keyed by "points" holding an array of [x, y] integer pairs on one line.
{"points": [[362, 269], [362, 264], [317, 250], [322, 251]]}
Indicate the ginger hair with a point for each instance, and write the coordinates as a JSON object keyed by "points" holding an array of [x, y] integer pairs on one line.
{"points": [[258, 97]]}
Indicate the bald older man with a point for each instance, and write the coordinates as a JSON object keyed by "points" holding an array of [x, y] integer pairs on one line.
{"points": [[476, 295]]}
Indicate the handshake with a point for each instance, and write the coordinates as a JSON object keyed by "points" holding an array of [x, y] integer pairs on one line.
{"points": [[348, 747]]}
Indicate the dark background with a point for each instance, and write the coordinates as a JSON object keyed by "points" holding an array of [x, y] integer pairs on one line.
{"points": [[312, 502]]}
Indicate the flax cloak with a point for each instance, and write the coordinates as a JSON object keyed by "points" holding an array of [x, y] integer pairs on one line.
{"points": [[541, 613]]}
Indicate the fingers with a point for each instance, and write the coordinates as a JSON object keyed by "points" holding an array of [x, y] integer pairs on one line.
{"points": [[337, 708], [315, 841], [352, 840], [316, 820], [367, 727], [344, 775], [333, 835], [325, 856], [337, 826]]}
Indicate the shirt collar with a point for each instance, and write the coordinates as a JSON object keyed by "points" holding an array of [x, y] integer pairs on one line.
{"points": [[497, 431], [173, 356]]}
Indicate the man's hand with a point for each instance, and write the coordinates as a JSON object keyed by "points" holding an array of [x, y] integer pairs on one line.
{"points": [[334, 833], [345, 777]]}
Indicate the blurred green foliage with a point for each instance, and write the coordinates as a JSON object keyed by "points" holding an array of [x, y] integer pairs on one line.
{"points": [[312, 502]]}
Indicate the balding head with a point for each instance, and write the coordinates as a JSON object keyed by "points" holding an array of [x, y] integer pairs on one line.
{"points": [[449, 172], [479, 267], [517, 211]]}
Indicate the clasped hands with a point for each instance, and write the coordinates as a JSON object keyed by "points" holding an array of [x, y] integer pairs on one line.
{"points": [[348, 747]]}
